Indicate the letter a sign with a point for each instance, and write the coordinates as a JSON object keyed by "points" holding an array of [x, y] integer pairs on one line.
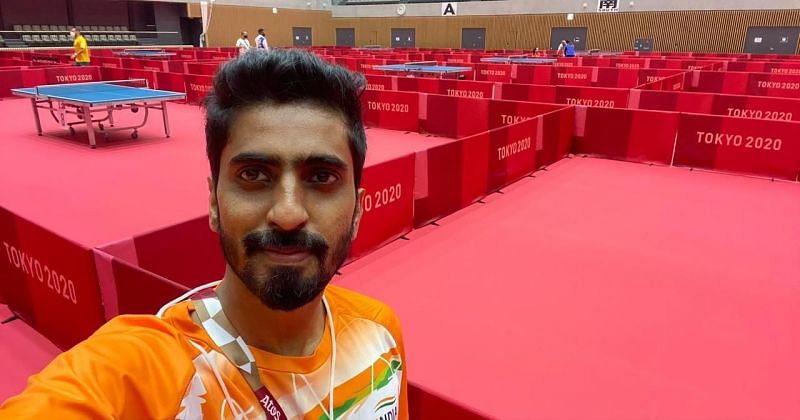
{"points": [[449, 9]]}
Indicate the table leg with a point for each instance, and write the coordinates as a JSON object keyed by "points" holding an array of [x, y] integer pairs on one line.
{"points": [[166, 118], [111, 115], [36, 117], [87, 118]]}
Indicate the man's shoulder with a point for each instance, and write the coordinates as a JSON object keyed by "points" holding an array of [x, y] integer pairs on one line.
{"points": [[353, 305]]}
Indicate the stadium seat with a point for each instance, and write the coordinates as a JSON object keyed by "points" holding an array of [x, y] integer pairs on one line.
{"points": [[17, 27], [45, 27], [62, 28], [101, 28], [36, 28], [63, 38], [27, 39], [37, 40], [26, 27], [45, 39], [124, 28], [92, 27], [117, 28]]}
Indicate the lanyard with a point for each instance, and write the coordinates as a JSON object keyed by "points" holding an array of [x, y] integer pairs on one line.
{"points": [[225, 336]]}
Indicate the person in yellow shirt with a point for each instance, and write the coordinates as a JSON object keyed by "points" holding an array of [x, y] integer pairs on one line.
{"points": [[81, 54], [271, 340]]}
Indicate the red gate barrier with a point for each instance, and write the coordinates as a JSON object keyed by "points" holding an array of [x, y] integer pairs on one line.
{"points": [[387, 203], [391, 110], [197, 87], [766, 148], [626, 134], [19, 78], [49, 281]]}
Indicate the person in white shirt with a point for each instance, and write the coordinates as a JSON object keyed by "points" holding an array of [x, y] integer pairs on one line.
{"points": [[261, 40], [243, 44]]}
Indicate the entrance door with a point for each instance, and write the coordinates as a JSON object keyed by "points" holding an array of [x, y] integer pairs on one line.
{"points": [[404, 37], [345, 37], [643, 44], [575, 35], [771, 40], [473, 38], [301, 37]]}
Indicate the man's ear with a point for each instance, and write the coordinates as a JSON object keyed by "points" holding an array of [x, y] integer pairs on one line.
{"points": [[213, 206], [359, 211]]}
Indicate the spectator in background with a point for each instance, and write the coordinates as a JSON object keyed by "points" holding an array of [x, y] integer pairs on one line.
{"points": [[569, 49], [261, 40], [243, 44], [560, 51], [81, 54], [538, 53]]}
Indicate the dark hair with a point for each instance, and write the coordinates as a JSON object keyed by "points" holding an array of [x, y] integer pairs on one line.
{"points": [[283, 77], [260, 30]]}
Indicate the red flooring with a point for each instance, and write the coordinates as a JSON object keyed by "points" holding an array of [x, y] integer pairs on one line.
{"points": [[604, 289]]}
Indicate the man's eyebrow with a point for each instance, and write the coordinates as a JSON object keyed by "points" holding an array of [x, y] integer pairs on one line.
{"points": [[255, 158], [324, 160]]}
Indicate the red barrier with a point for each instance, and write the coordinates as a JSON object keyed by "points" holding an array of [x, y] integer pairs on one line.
{"points": [[378, 82], [766, 84], [721, 82], [148, 75], [174, 82], [612, 77], [197, 87], [453, 117], [512, 152], [19, 78], [756, 107], [112, 73], [387, 203], [202, 68], [449, 87], [591, 96], [548, 75], [107, 62], [766, 148], [140, 291], [658, 100], [523, 92], [633, 135], [155, 65], [54, 75], [391, 110], [493, 72], [49, 281]]}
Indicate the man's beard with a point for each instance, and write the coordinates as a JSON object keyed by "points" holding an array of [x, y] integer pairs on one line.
{"points": [[285, 288]]}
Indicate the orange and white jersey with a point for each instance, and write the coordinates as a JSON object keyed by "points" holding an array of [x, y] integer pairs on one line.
{"points": [[144, 367]]}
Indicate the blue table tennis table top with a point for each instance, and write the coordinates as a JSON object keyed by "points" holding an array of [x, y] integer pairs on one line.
{"points": [[98, 93], [519, 60], [423, 69]]}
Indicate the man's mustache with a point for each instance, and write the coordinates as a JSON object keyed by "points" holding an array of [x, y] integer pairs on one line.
{"points": [[301, 240]]}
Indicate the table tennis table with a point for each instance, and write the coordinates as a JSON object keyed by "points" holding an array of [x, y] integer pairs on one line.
{"points": [[84, 99], [424, 67], [518, 60], [144, 53]]}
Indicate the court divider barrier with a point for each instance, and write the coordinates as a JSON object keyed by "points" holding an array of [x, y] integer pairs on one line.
{"points": [[741, 145], [48, 281], [756, 107], [625, 134], [30, 77], [741, 83]]}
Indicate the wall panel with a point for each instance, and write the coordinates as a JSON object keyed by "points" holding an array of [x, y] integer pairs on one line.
{"points": [[228, 21], [721, 31], [703, 30]]}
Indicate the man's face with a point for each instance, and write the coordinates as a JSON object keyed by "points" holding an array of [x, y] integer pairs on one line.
{"points": [[285, 206]]}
